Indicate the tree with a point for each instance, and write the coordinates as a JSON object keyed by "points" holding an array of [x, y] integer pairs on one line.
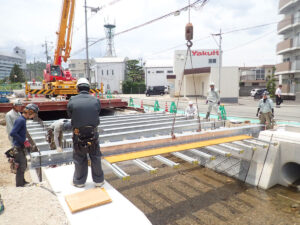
{"points": [[16, 74], [271, 85], [35, 70], [135, 73]]}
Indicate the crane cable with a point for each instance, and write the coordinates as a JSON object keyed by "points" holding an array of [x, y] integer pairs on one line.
{"points": [[189, 44]]}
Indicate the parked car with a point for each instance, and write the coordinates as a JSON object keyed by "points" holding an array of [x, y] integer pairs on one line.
{"points": [[253, 91], [259, 93], [155, 90]]}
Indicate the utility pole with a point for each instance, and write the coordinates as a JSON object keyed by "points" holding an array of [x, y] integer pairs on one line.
{"points": [[220, 57], [34, 68], [86, 44], [46, 51]]}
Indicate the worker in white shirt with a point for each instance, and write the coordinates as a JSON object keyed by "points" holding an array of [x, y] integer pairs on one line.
{"points": [[278, 96], [213, 101], [55, 133], [190, 111], [11, 116], [266, 111]]}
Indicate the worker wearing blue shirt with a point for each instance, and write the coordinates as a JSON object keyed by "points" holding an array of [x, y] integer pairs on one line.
{"points": [[18, 134]]}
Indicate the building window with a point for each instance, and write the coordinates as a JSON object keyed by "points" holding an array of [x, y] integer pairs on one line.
{"points": [[159, 71], [148, 71], [170, 71], [102, 72], [112, 72], [255, 84], [107, 72], [212, 60], [81, 75]]}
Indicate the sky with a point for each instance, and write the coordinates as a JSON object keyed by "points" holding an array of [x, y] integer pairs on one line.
{"points": [[29, 23]]}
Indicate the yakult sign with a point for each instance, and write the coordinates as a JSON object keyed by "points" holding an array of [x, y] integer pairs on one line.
{"points": [[205, 53]]}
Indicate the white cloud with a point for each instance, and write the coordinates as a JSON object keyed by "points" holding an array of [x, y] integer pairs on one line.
{"points": [[28, 23]]}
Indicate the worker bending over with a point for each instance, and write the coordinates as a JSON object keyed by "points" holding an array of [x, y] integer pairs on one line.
{"points": [[11, 117], [18, 134], [190, 111], [266, 110], [55, 134], [84, 111], [213, 101]]}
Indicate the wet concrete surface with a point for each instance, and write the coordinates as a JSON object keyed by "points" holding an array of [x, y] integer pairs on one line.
{"points": [[197, 195]]}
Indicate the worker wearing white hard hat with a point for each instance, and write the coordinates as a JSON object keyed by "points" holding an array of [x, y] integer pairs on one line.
{"points": [[190, 111], [84, 111], [213, 101], [12, 115]]}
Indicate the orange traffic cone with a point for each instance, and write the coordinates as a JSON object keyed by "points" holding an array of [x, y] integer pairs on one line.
{"points": [[29, 95], [142, 106], [166, 110], [36, 96]]}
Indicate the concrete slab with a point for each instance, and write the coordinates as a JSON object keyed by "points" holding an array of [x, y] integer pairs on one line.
{"points": [[120, 211]]}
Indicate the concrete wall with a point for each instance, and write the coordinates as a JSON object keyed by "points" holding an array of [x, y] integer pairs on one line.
{"points": [[201, 83], [229, 83]]}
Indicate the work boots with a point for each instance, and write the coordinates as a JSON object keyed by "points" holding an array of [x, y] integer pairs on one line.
{"points": [[207, 115]]}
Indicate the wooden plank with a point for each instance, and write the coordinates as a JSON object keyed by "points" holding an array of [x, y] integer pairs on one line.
{"points": [[87, 199], [175, 148]]}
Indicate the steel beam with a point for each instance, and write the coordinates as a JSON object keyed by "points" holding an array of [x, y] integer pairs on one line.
{"points": [[239, 143], [238, 150], [144, 166], [117, 170], [218, 151], [255, 143], [166, 161], [186, 158], [202, 154]]}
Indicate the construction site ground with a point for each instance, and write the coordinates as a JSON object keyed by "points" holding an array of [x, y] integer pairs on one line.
{"points": [[187, 195]]}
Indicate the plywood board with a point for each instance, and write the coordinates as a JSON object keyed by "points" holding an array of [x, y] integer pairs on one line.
{"points": [[87, 199], [175, 148]]}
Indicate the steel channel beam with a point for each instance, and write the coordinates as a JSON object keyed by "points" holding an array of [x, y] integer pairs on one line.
{"points": [[166, 161], [202, 154], [185, 158], [117, 170], [238, 143], [144, 166], [255, 143], [218, 151], [266, 142], [103, 118], [238, 150]]}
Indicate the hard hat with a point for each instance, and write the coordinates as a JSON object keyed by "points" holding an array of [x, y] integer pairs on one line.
{"points": [[82, 81], [265, 93], [190, 103], [211, 84], [32, 107], [17, 102]]}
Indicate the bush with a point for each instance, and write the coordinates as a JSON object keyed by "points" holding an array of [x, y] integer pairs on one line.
{"points": [[130, 87]]}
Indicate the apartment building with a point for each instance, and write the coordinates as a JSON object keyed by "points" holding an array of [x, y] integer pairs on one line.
{"points": [[288, 71]]}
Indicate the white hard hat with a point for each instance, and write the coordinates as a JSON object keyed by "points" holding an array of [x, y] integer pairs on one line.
{"points": [[190, 103], [211, 84], [17, 102], [82, 81]]}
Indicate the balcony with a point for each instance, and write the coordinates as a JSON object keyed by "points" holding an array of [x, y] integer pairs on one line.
{"points": [[286, 5], [283, 67], [284, 46], [285, 25]]}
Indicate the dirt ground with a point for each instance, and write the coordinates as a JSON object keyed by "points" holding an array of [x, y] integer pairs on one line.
{"points": [[33, 205]]}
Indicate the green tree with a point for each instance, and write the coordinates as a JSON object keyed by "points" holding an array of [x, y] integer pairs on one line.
{"points": [[16, 74], [135, 73], [271, 85], [35, 70]]}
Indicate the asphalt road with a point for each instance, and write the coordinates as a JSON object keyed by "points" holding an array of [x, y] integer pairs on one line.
{"points": [[246, 108]]}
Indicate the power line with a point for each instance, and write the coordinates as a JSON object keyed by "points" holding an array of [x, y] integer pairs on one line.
{"points": [[176, 12]]}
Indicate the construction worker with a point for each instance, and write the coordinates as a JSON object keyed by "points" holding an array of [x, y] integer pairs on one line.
{"points": [[18, 134], [11, 116], [55, 134], [278, 96], [190, 111], [213, 101], [266, 110], [84, 111]]}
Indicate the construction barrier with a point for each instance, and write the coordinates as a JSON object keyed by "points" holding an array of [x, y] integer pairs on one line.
{"points": [[173, 108], [223, 112], [166, 108], [156, 106], [131, 104]]}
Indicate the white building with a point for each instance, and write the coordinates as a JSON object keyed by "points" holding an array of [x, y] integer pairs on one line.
{"points": [[110, 71], [9, 59], [156, 72], [288, 71], [205, 70]]}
